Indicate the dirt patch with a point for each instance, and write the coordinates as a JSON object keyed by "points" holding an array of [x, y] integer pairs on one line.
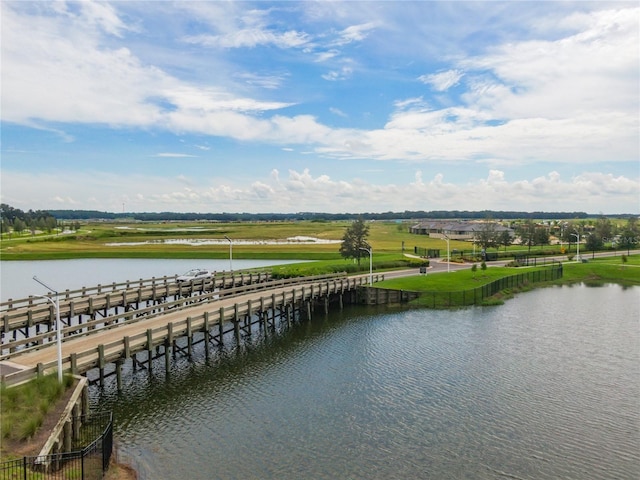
{"points": [[119, 471]]}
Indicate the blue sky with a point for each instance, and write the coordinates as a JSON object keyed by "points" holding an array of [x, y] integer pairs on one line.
{"points": [[321, 106]]}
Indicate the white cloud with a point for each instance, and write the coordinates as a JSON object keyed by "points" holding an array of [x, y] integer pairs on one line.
{"points": [[270, 82], [443, 80], [592, 192], [249, 38], [565, 93], [338, 112], [354, 33], [572, 99], [174, 155], [341, 74]]}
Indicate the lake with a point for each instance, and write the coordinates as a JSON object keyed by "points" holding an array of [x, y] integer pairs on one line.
{"points": [[16, 277], [546, 386]]}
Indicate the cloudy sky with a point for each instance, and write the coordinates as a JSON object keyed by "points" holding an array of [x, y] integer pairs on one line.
{"points": [[208, 106]]}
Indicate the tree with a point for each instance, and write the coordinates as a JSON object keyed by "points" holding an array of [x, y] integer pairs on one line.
{"points": [[19, 226], [603, 228], [504, 238], [629, 237], [541, 236], [526, 232], [486, 236], [354, 239], [594, 242]]}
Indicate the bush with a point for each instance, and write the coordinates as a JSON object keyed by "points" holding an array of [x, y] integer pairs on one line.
{"points": [[30, 427]]}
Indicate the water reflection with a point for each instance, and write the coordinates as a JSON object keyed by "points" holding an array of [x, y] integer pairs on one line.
{"points": [[545, 386]]}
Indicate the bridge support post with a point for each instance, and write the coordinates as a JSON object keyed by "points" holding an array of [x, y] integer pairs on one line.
{"points": [[119, 374], [236, 326], [101, 364], [170, 339], [207, 335], [221, 325], [74, 363], [167, 358], [150, 347], [189, 338]]}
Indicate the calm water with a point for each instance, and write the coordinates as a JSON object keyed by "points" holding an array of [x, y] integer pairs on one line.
{"points": [[16, 278], [546, 386]]}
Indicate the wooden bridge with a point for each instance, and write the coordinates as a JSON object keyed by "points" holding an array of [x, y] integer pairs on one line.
{"points": [[18, 316], [220, 312]]}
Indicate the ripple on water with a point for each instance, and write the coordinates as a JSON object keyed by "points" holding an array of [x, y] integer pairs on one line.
{"points": [[527, 390]]}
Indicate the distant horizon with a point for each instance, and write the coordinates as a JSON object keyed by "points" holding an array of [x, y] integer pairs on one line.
{"points": [[340, 106], [436, 214]]}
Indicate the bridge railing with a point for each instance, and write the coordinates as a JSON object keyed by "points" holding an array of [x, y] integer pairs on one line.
{"points": [[40, 311], [101, 354], [218, 280], [35, 342]]}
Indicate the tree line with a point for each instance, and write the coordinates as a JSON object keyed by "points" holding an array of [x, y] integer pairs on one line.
{"points": [[593, 234], [16, 220], [311, 216]]}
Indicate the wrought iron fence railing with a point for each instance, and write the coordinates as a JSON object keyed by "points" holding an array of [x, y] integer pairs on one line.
{"points": [[476, 296], [89, 460]]}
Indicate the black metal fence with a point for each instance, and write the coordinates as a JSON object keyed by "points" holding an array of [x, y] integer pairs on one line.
{"points": [[89, 460], [478, 295]]}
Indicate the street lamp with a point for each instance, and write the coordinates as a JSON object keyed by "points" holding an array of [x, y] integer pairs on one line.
{"points": [[577, 235], [370, 251], [58, 329], [230, 253], [448, 255]]}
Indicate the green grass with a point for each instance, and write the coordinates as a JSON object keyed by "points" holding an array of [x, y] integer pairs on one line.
{"points": [[604, 270], [385, 237], [25, 406], [451, 281], [455, 289], [90, 241], [380, 263]]}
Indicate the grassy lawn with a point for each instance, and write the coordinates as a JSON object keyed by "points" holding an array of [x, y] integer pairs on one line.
{"points": [[454, 289], [604, 270], [610, 269], [91, 241], [452, 281]]}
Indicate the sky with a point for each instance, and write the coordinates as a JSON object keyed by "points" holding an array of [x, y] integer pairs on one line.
{"points": [[329, 106]]}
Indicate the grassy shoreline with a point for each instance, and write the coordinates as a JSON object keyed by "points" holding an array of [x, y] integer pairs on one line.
{"points": [[595, 272]]}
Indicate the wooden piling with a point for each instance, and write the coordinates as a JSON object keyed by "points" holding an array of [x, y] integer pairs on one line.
{"points": [[167, 358], [119, 374], [74, 363], [236, 326], [101, 363], [189, 338], [207, 335], [221, 325]]}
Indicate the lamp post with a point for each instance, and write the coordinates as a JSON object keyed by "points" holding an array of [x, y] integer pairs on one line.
{"points": [[448, 255], [58, 329], [370, 251], [230, 253], [577, 235]]}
